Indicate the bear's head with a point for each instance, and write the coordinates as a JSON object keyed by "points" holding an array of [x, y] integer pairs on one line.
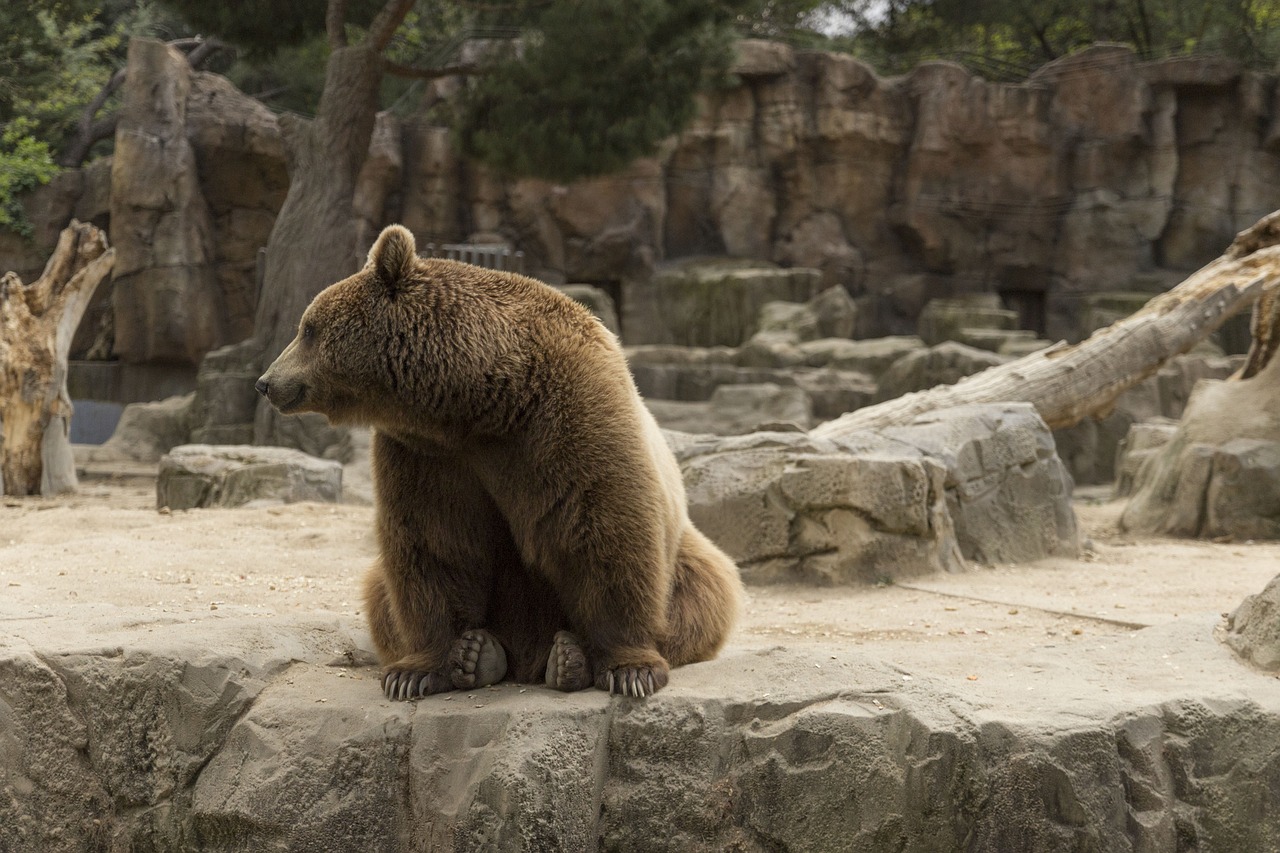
{"points": [[350, 350]]}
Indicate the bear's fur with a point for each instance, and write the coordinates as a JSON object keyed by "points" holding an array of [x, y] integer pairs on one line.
{"points": [[528, 507]]}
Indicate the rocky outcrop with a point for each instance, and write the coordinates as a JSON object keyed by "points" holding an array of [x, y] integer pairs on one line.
{"points": [[270, 734], [202, 475], [1253, 628], [973, 483], [1100, 173], [1218, 475], [196, 180]]}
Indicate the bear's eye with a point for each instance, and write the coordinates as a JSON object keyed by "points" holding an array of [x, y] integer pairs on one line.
{"points": [[308, 332]]}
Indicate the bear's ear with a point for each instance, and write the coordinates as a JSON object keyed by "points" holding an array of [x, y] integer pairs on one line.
{"points": [[392, 255]]}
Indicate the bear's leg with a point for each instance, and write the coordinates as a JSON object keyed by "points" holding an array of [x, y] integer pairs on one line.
{"points": [[706, 598], [440, 541], [477, 660], [568, 667]]}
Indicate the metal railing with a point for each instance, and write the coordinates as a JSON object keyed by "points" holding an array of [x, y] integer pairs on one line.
{"points": [[494, 256]]}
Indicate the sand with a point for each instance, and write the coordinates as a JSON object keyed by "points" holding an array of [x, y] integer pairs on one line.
{"points": [[107, 546]]}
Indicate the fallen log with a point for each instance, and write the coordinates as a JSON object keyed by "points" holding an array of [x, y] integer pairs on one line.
{"points": [[37, 323], [1067, 383]]}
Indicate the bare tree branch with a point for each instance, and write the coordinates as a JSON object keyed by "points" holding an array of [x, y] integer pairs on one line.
{"points": [[387, 21]]}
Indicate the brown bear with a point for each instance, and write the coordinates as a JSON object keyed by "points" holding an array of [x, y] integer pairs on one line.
{"points": [[531, 519]]}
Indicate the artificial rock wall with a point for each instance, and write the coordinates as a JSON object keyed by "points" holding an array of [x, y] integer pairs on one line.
{"points": [[1099, 173]]}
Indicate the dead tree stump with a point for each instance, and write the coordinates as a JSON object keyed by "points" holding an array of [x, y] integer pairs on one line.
{"points": [[37, 323]]}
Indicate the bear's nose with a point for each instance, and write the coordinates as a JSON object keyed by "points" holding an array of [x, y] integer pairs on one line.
{"points": [[262, 387]]}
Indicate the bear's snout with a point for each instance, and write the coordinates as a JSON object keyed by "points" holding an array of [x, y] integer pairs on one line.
{"points": [[287, 396]]}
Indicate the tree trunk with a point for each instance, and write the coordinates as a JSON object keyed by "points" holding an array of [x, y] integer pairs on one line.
{"points": [[1068, 383], [313, 242], [37, 323]]}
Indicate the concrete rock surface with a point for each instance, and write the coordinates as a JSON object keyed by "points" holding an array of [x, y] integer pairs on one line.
{"points": [[1253, 628], [975, 482], [1218, 476], [203, 475], [271, 735]]}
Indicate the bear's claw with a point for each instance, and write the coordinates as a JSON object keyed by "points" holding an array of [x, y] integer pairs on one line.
{"points": [[477, 660], [637, 681], [413, 684], [567, 665]]}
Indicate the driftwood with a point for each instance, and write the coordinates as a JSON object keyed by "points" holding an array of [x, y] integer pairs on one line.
{"points": [[1069, 383], [37, 323]]}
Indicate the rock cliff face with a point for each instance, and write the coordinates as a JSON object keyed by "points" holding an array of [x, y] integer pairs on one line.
{"points": [[1099, 173]]}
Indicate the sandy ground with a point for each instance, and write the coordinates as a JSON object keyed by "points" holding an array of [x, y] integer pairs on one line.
{"points": [[107, 546]]}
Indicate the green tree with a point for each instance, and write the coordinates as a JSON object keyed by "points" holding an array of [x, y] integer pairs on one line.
{"points": [[52, 60], [896, 34]]}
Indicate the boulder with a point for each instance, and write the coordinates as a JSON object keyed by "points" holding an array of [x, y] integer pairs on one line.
{"points": [[1141, 442], [1219, 474], [944, 364], [147, 431], [978, 482], [1253, 628], [201, 475]]}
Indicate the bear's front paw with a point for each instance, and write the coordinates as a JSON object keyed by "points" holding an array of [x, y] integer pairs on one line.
{"points": [[413, 683], [477, 660], [567, 665], [639, 680]]}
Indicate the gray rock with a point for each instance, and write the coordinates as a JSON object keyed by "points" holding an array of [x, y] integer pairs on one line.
{"points": [[201, 475], [710, 303], [597, 301], [247, 734], [834, 392], [978, 482], [948, 319], [147, 431], [1219, 475], [1253, 628], [872, 357], [944, 364], [737, 409], [1137, 447], [830, 314]]}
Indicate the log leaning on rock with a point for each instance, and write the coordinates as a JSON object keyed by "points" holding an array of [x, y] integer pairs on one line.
{"points": [[37, 323], [1069, 383]]}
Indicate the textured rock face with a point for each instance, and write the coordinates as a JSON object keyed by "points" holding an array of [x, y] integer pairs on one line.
{"points": [[1253, 629], [977, 482], [262, 735], [202, 475], [1100, 173], [1218, 475]]}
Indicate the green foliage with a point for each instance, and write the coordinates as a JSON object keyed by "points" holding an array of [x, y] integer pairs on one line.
{"points": [[25, 163], [598, 84], [263, 27], [54, 58], [896, 34]]}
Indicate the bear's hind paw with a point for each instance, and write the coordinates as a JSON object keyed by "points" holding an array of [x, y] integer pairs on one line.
{"points": [[477, 660], [567, 666], [400, 684]]}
